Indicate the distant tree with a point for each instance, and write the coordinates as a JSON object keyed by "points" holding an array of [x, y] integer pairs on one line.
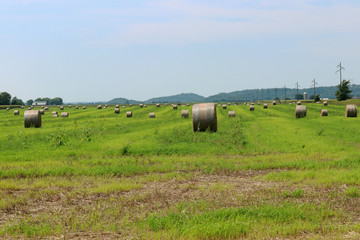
{"points": [[287, 98], [312, 96], [343, 91], [5, 98], [299, 96], [277, 99], [317, 98], [29, 102], [16, 101]]}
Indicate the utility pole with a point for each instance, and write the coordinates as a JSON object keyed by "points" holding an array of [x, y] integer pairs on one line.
{"points": [[268, 93], [340, 70], [285, 92], [257, 95], [262, 94], [314, 86], [297, 90], [275, 94]]}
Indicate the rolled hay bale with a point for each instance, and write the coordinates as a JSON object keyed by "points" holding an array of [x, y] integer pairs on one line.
{"points": [[70, 106], [224, 106], [185, 113], [274, 103], [29, 108], [323, 113], [7, 109], [64, 114], [231, 114], [77, 107], [22, 107], [42, 111], [123, 106], [152, 115], [174, 106], [54, 113], [298, 103], [117, 110], [204, 117], [61, 107], [141, 105], [325, 103], [187, 105], [16, 112], [145, 105], [84, 107], [129, 114], [46, 108], [229, 104], [219, 105], [265, 106], [32, 118], [158, 105], [58, 106], [165, 104], [300, 111], [106, 105], [117, 106], [317, 102], [99, 107], [130, 105], [351, 111], [42, 107], [252, 108]]}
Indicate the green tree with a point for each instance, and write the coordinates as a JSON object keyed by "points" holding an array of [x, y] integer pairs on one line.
{"points": [[299, 96], [343, 91], [5, 98], [317, 98], [16, 101], [29, 102]]}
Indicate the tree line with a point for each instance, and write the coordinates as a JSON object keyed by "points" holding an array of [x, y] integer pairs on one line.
{"points": [[7, 99]]}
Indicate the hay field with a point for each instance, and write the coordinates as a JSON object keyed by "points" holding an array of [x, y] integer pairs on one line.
{"points": [[264, 174]]}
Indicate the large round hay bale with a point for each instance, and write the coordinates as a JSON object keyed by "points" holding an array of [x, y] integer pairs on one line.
{"points": [[158, 105], [323, 113], [300, 111], [204, 117], [64, 114], [252, 108], [84, 107], [54, 113], [152, 115], [117, 110], [16, 112], [117, 106], [46, 108], [351, 111], [174, 106], [298, 103], [42, 112], [61, 107], [32, 118], [231, 113], [99, 107], [185, 113], [224, 106], [274, 103], [129, 114], [141, 105], [265, 106], [325, 103]]}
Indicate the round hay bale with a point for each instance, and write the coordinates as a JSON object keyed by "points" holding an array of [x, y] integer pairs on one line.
{"points": [[117, 110], [70, 106], [351, 111], [265, 106], [224, 106], [231, 114], [145, 105], [252, 108], [152, 115], [42, 112], [141, 105], [174, 106], [117, 106], [187, 104], [16, 112], [84, 107], [46, 108], [298, 102], [99, 107], [54, 113], [325, 103], [29, 108], [58, 106], [22, 107], [229, 104], [32, 118], [129, 114], [300, 111], [165, 104], [323, 113], [185, 113], [106, 105], [7, 109], [130, 105], [42, 107], [274, 103], [77, 107], [158, 105], [64, 114], [61, 107], [123, 106], [204, 117], [219, 105]]}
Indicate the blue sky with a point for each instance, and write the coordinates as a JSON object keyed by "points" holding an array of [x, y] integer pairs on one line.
{"points": [[91, 50]]}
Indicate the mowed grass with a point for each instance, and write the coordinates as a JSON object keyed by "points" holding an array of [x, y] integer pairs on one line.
{"points": [[98, 174]]}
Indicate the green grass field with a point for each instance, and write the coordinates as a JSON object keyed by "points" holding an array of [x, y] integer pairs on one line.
{"points": [[263, 175]]}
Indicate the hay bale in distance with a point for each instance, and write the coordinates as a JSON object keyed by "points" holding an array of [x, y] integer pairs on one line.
{"points": [[64, 114], [16, 112], [61, 107], [298, 103], [117, 106], [323, 113], [224, 106], [117, 110], [129, 114], [300, 111], [22, 107], [274, 103], [204, 117], [325, 103], [265, 106], [99, 107], [84, 107], [77, 107], [42, 112], [145, 105], [185, 113], [54, 112], [141, 105], [351, 111], [123, 106], [152, 115], [46, 108], [231, 114], [174, 106], [158, 105], [32, 118], [252, 108], [29, 108]]}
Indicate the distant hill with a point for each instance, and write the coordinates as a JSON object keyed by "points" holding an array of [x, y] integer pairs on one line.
{"points": [[180, 98], [122, 101]]}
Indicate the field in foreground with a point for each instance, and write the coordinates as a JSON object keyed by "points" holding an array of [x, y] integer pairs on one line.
{"points": [[98, 174]]}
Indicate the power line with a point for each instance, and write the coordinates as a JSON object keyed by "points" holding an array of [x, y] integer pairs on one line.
{"points": [[340, 70], [314, 86], [297, 90]]}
